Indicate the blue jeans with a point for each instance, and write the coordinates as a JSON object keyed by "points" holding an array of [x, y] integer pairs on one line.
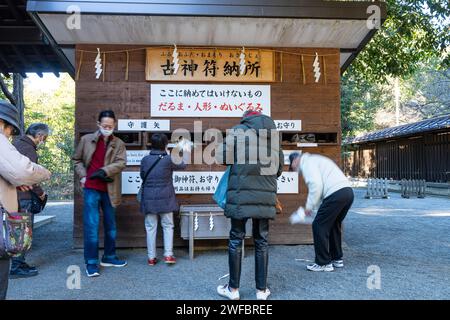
{"points": [[93, 200]]}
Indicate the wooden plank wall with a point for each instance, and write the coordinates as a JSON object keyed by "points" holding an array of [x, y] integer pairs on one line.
{"points": [[316, 104], [424, 156]]}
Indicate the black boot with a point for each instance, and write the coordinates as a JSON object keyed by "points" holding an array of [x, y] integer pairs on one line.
{"points": [[23, 271]]}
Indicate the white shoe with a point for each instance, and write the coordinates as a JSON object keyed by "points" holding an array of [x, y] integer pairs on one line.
{"points": [[338, 263], [315, 267], [224, 291], [262, 295]]}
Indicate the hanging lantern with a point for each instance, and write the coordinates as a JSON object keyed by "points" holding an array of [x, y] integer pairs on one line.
{"points": [[98, 65]]}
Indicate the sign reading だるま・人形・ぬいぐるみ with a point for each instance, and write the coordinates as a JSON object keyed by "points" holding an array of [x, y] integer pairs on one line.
{"points": [[209, 64], [205, 100]]}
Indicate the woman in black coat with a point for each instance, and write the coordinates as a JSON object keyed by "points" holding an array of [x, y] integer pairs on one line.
{"points": [[158, 197]]}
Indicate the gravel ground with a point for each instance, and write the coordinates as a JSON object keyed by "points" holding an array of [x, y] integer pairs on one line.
{"points": [[407, 239]]}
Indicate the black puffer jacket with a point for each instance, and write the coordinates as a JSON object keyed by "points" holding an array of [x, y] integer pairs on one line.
{"points": [[252, 187]]}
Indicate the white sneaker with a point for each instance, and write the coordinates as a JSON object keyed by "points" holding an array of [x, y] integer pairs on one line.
{"points": [[315, 267], [338, 263], [262, 295], [224, 291]]}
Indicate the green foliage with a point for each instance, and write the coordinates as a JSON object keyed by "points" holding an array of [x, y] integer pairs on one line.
{"points": [[414, 33], [57, 110], [360, 101], [412, 45]]}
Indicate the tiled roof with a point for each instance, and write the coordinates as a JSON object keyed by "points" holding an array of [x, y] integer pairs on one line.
{"points": [[432, 124]]}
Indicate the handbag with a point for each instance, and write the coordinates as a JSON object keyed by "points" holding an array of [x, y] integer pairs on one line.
{"points": [[15, 232], [34, 205], [141, 189], [220, 195]]}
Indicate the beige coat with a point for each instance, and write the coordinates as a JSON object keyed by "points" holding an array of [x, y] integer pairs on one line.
{"points": [[115, 162], [16, 170]]}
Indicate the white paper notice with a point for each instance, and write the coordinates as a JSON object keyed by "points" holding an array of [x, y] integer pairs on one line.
{"points": [[204, 100], [202, 182]]}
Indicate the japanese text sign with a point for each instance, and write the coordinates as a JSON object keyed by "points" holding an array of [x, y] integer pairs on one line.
{"points": [[179, 100], [143, 125], [202, 182], [209, 65]]}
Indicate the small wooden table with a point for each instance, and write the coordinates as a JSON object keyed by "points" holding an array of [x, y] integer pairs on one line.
{"points": [[206, 222]]}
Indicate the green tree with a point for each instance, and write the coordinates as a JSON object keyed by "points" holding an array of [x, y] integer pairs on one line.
{"points": [[415, 34], [57, 110]]}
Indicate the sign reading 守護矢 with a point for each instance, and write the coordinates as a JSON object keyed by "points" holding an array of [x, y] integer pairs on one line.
{"points": [[209, 64], [202, 182], [202, 100], [143, 125]]}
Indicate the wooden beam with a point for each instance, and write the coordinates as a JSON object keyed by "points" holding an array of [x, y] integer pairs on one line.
{"points": [[13, 35], [23, 61], [14, 11]]}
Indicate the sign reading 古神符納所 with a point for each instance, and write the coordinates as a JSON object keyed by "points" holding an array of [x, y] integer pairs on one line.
{"points": [[202, 182], [204, 100], [209, 64], [143, 125]]}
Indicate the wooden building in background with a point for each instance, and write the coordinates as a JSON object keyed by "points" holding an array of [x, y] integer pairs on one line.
{"points": [[295, 53], [419, 150]]}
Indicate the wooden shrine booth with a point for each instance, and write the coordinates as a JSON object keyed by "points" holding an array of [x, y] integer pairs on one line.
{"points": [[293, 60]]}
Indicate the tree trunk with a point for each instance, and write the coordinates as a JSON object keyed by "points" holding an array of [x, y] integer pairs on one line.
{"points": [[18, 97]]}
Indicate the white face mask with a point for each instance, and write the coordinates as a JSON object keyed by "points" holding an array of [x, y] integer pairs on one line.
{"points": [[40, 143], [105, 132]]}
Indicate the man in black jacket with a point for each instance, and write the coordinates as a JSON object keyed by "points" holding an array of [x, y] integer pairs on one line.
{"points": [[35, 136]]}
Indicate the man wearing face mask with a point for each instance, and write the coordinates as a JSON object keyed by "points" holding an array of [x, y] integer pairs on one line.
{"points": [[35, 136], [99, 160], [331, 192]]}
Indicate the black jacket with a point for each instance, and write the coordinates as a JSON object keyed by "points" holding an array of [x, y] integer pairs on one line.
{"points": [[252, 192]]}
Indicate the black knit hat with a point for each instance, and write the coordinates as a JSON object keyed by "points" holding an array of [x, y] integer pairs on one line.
{"points": [[10, 114]]}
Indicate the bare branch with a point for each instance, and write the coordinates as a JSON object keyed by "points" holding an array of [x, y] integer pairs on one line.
{"points": [[6, 91]]}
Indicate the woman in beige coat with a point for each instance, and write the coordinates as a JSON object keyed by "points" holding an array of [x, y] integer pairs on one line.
{"points": [[16, 171]]}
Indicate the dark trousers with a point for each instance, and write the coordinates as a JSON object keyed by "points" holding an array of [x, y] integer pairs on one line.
{"points": [[327, 226], [260, 236], [4, 276]]}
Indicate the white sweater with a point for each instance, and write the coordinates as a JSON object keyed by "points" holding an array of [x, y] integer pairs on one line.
{"points": [[322, 176]]}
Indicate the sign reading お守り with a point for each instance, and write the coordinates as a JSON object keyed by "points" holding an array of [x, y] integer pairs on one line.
{"points": [[202, 100]]}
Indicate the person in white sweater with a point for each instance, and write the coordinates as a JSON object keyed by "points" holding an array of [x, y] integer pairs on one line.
{"points": [[330, 191]]}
